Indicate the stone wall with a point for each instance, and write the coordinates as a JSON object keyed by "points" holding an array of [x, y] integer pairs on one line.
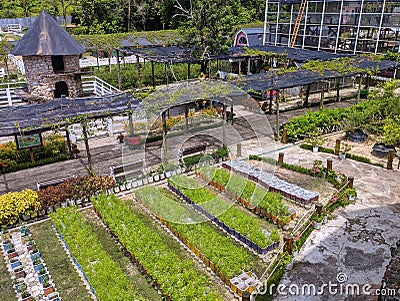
{"points": [[41, 78]]}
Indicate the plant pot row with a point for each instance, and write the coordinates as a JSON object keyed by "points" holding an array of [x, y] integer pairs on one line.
{"points": [[286, 189], [232, 232], [246, 204], [132, 258]]}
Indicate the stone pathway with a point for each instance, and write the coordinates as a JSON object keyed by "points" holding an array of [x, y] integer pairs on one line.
{"points": [[354, 247]]}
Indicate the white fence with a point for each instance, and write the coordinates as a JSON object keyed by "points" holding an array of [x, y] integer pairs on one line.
{"points": [[85, 62], [91, 85], [93, 62], [7, 95]]}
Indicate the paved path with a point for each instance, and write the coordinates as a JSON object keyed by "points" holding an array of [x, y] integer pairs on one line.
{"points": [[357, 241]]}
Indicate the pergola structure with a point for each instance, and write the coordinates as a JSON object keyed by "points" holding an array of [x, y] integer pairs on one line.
{"points": [[35, 118], [267, 83], [179, 54]]}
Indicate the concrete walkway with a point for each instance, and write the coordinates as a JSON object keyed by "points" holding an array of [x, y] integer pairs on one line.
{"points": [[355, 245]]}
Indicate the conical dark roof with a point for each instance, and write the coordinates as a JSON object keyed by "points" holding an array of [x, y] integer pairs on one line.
{"points": [[47, 37]]}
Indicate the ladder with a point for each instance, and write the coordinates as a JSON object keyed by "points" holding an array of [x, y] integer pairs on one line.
{"points": [[297, 24]]}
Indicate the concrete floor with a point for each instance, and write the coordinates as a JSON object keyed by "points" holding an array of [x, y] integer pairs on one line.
{"points": [[357, 241]]}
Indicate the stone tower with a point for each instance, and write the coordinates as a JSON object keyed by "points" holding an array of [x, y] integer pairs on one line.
{"points": [[51, 60]]}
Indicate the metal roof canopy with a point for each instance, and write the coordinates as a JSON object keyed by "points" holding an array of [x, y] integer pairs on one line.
{"points": [[270, 81], [41, 117], [295, 54], [180, 54], [47, 37], [160, 54]]}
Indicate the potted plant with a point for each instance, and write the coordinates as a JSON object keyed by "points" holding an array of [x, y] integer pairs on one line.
{"points": [[25, 295], [344, 149], [316, 140], [14, 262], [47, 287], [19, 272], [42, 271]]}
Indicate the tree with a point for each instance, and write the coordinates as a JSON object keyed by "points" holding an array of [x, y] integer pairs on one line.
{"points": [[98, 17], [5, 49]]}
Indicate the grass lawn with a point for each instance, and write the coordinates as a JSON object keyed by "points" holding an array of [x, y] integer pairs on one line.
{"points": [[137, 278], [67, 280], [6, 288]]}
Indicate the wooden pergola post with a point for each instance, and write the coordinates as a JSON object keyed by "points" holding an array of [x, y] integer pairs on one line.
{"points": [[359, 89], [68, 141], [277, 135], [165, 131], [118, 68], [224, 124], [166, 73], [152, 74], [186, 118], [305, 104], [85, 134], [139, 73], [188, 70], [321, 105], [337, 86]]}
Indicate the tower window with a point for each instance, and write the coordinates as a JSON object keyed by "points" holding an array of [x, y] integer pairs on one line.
{"points": [[57, 62]]}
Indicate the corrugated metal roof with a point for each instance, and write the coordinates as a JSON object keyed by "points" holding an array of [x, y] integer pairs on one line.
{"points": [[47, 37], [250, 31]]}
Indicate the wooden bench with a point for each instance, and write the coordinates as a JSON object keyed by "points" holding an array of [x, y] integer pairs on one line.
{"points": [[123, 172], [44, 185]]}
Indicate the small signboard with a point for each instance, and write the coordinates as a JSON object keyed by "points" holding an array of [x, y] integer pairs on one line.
{"points": [[28, 141]]}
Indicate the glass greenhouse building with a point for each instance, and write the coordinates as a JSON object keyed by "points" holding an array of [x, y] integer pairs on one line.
{"points": [[362, 26]]}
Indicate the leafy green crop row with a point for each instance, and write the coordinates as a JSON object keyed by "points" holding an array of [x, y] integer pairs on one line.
{"points": [[228, 258], [177, 278], [241, 221], [248, 190], [106, 277]]}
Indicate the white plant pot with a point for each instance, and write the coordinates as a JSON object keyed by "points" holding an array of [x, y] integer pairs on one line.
{"points": [[342, 156], [315, 149]]}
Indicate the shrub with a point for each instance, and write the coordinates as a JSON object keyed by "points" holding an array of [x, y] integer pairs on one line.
{"points": [[15, 204], [74, 188]]}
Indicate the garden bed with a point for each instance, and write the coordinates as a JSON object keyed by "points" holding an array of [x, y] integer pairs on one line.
{"points": [[149, 251], [238, 223], [104, 275], [217, 251], [268, 204]]}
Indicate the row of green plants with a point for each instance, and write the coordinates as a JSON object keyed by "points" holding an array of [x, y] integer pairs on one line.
{"points": [[230, 214], [105, 275], [228, 257], [248, 190], [26, 204], [379, 114], [54, 149], [177, 278], [348, 155], [336, 178], [14, 205]]}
